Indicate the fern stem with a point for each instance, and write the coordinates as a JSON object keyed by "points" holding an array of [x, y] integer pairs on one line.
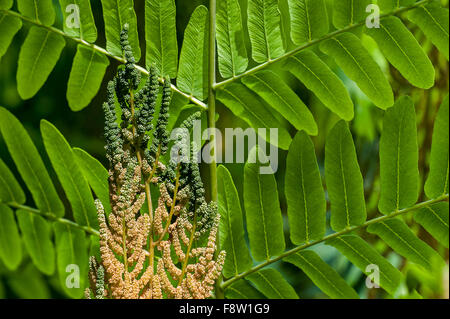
{"points": [[212, 97], [380, 219], [52, 217], [212, 119], [312, 43], [102, 51]]}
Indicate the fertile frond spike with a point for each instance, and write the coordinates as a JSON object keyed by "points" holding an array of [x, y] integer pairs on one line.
{"points": [[148, 96], [126, 48], [131, 73], [161, 136], [195, 180], [181, 217]]}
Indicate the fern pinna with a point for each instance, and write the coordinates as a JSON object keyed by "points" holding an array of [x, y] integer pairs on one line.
{"points": [[311, 68]]}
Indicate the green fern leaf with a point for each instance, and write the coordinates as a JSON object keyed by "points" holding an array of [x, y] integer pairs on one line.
{"points": [[399, 172], [433, 20], [438, 178], [361, 254], [6, 4], [349, 12], [403, 51], [389, 5], [193, 71], [304, 192], [38, 57], [281, 98], [317, 76], [71, 251], [117, 13], [344, 180], [29, 283], [272, 284], [283, 7], [39, 10], [264, 30], [86, 77], [10, 190], [69, 174], [323, 276], [359, 66], [248, 106], [434, 219], [309, 20], [87, 30], [9, 26], [10, 243], [36, 234], [161, 36], [231, 48], [262, 207], [401, 239], [96, 175], [242, 289], [231, 228], [30, 165]]}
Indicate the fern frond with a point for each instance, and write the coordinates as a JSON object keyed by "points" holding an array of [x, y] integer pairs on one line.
{"points": [[93, 63], [330, 237], [264, 30], [309, 29], [306, 208]]}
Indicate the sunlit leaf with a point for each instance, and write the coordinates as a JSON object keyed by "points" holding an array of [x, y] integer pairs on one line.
{"points": [[344, 180], [400, 238], [264, 30], [10, 190], [272, 89], [36, 234], [231, 228], [399, 170], [363, 255], [161, 36], [403, 51], [30, 165], [117, 13], [86, 77], [78, 19], [10, 242], [304, 192], [69, 174], [325, 277], [262, 207], [272, 284], [309, 20], [434, 219], [38, 56], [193, 70], [438, 178], [359, 66]]}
